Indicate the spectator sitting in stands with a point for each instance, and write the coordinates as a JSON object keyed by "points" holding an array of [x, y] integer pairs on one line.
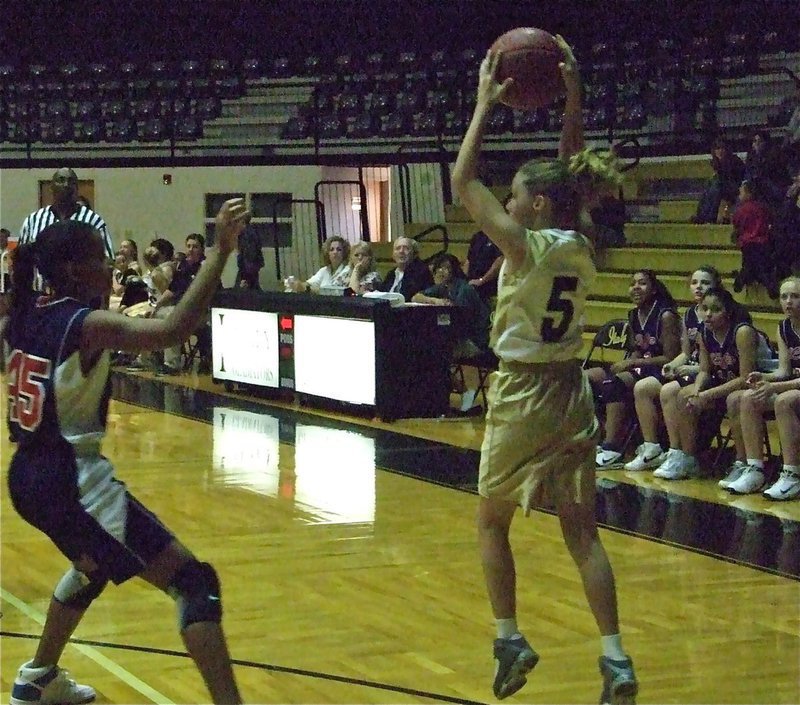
{"points": [[785, 232], [792, 138], [363, 276], [451, 288], [608, 219], [766, 163], [165, 304], [131, 250], [724, 186], [482, 266], [751, 232], [335, 272], [122, 273], [159, 258], [410, 275]]}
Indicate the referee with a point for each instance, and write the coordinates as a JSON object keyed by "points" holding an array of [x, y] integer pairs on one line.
{"points": [[65, 207]]}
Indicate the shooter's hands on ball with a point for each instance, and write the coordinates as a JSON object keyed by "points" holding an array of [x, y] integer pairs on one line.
{"points": [[229, 224], [490, 91], [569, 67]]}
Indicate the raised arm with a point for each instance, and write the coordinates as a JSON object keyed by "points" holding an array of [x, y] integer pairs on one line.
{"points": [[572, 140], [483, 206], [107, 330]]}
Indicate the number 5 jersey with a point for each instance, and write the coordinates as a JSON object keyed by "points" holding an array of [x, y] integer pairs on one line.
{"points": [[540, 305]]}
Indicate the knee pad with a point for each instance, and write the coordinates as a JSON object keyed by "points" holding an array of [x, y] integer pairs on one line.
{"points": [[77, 590], [612, 390], [196, 591]]}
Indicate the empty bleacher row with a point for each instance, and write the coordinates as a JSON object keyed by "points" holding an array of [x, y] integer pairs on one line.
{"points": [[661, 85], [626, 87]]}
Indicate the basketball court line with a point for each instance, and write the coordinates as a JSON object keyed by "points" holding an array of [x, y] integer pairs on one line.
{"points": [[92, 653], [274, 668]]}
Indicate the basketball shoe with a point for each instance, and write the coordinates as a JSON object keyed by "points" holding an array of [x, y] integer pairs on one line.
{"points": [[515, 660], [48, 685], [619, 681], [787, 487]]}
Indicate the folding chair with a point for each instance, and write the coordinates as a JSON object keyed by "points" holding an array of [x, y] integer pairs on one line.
{"points": [[612, 335], [189, 352], [724, 440], [485, 364]]}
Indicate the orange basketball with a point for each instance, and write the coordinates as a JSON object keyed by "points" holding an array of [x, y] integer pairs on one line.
{"points": [[530, 56]]}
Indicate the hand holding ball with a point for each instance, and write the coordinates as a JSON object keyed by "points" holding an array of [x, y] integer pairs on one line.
{"points": [[531, 57]]}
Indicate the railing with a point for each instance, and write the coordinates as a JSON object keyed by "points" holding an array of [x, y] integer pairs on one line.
{"points": [[433, 229]]}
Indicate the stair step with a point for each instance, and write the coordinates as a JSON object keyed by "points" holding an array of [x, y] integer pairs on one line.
{"points": [[666, 234], [676, 211], [629, 259]]}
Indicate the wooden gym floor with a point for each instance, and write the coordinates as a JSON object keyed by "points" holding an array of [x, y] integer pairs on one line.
{"points": [[347, 553]]}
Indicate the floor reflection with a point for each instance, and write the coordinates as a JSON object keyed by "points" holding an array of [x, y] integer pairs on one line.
{"points": [[729, 530], [331, 478]]}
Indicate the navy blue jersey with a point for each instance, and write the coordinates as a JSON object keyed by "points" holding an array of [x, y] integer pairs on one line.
{"points": [[49, 397], [646, 337], [691, 324], [792, 342], [723, 357]]}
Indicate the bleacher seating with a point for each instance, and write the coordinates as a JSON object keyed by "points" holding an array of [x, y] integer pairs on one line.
{"points": [[657, 88]]}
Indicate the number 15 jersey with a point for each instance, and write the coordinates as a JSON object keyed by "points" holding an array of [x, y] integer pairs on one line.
{"points": [[540, 305]]}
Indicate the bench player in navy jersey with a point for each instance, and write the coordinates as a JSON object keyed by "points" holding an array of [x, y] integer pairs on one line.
{"points": [[779, 390], [59, 481], [541, 430], [728, 353], [678, 372], [654, 331]]}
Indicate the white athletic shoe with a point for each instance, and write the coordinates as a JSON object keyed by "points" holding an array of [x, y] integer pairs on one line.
{"points": [[608, 459], [787, 487], [670, 456], [752, 480], [643, 461], [734, 473], [48, 685], [679, 466]]}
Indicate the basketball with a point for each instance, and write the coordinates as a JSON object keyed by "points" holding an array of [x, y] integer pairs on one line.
{"points": [[530, 56]]}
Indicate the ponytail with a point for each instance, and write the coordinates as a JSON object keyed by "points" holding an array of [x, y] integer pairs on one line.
{"points": [[594, 168]]}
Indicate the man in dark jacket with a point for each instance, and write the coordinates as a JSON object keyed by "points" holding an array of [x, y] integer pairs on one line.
{"points": [[410, 275]]}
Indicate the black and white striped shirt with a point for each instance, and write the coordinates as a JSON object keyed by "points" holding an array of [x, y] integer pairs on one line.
{"points": [[39, 220]]}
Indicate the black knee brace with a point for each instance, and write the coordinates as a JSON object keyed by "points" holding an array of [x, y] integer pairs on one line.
{"points": [[77, 590], [196, 590]]}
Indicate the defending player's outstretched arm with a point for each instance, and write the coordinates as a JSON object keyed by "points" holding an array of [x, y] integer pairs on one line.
{"points": [[106, 330]]}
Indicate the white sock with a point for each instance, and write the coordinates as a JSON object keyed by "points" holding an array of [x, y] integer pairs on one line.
{"points": [[651, 448], [507, 628], [794, 469], [756, 463], [612, 647]]}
